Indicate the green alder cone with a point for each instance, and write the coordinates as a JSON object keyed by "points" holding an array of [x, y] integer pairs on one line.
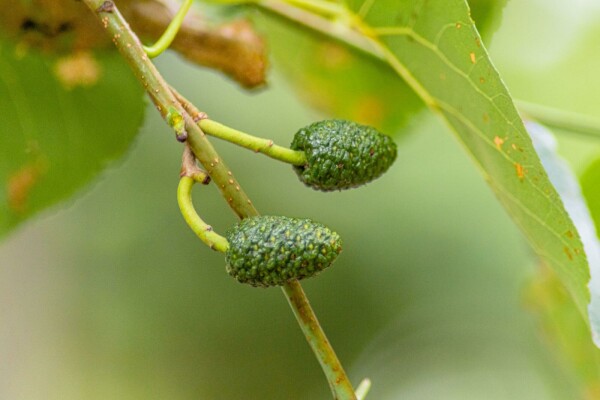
{"points": [[272, 250], [342, 154]]}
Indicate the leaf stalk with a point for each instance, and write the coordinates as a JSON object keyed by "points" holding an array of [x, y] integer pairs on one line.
{"points": [[560, 119], [189, 176], [250, 142], [168, 36]]}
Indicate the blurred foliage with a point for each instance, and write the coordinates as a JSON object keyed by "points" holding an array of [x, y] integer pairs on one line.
{"points": [[52, 26], [124, 302], [116, 298], [550, 66], [572, 197], [487, 15], [565, 331], [434, 47], [337, 80], [590, 182], [59, 132], [344, 82]]}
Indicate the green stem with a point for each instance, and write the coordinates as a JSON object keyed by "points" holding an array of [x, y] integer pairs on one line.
{"points": [[256, 144], [200, 228], [132, 51], [336, 376], [168, 36], [560, 119], [166, 103], [339, 383]]}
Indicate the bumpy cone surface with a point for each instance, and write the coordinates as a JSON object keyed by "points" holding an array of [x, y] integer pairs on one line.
{"points": [[342, 154], [272, 250]]}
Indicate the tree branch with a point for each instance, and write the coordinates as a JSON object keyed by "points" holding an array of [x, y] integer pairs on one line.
{"points": [[164, 99]]}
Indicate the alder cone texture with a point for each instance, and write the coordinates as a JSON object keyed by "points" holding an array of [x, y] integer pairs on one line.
{"points": [[342, 154], [269, 251]]}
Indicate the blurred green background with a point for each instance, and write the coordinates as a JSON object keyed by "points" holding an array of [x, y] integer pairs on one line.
{"points": [[111, 296]]}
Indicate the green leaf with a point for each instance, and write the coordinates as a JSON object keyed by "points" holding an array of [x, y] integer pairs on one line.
{"points": [[565, 331], [63, 120], [590, 182], [347, 83], [435, 47], [572, 195], [338, 80]]}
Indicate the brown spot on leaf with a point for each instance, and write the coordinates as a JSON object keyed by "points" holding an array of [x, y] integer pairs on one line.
{"points": [[21, 182], [472, 56], [498, 141], [517, 148], [78, 69], [520, 171], [568, 253]]}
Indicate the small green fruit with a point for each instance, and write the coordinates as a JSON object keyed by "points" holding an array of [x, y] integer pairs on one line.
{"points": [[342, 154], [271, 250]]}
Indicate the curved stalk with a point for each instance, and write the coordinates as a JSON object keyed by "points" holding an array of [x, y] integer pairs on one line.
{"points": [[200, 228], [162, 96], [336, 376], [168, 36], [256, 144]]}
